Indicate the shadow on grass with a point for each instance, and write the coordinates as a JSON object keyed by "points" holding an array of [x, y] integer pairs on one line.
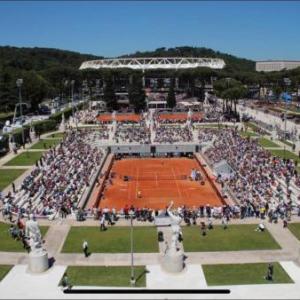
{"points": [[141, 275]]}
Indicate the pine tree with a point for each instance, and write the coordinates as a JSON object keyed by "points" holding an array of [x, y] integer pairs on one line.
{"points": [[171, 99], [109, 94], [136, 93]]}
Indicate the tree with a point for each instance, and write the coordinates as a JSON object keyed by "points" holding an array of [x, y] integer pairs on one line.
{"points": [[34, 89], [136, 93], [109, 94], [171, 99], [229, 90], [234, 93]]}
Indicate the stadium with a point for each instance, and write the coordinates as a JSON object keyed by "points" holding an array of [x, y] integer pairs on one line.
{"points": [[168, 174]]}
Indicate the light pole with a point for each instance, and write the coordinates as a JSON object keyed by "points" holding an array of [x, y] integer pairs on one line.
{"points": [[19, 83], [72, 95], [132, 276], [287, 82]]}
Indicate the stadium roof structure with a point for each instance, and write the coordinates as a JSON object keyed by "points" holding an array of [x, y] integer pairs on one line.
{"points": [[152, 63]]}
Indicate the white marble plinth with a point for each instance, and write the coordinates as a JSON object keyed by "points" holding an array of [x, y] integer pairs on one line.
{"points": [[173, 261], [38, 262]]}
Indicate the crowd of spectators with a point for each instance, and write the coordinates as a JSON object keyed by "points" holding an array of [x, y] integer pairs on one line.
{"points": [[257, 173], [58, 180], [173, 134], [126, 133], [86, 116], [99, 133]]}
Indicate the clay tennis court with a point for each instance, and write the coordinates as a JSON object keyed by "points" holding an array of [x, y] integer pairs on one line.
{"points": [[159, 180], [119, 117], [180, 116]]}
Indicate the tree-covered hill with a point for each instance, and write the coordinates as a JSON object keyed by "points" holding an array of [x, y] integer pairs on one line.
{"points": [[233, 63], [40, 58], [47, 72]]}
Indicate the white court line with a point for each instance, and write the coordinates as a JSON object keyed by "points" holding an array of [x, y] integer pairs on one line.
{"points": [[176, 182], [137, 182]]}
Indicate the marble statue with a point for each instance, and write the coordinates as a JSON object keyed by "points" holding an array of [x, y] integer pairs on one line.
{"points": [[173, 259], [62, 125], [32, 231], [38, 256], [175, 226], [32, 133]]}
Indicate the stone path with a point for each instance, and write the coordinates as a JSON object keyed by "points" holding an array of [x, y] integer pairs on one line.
{"points": [[19, 284]]}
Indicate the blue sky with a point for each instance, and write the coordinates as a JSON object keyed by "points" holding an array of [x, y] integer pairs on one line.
{"points": [[255, 30]]}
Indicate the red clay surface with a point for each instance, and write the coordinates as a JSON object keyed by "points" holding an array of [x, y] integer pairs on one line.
{"points": [[119, 117], [179, 116], [157, 193]]}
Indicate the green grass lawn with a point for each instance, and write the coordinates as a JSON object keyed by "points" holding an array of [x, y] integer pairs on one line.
{"points": [[267, 143], [213, 125], [247, 133], [45, 144], [234, 238], [251, 126], [25, 159], [8, 176], [287, 143], [113, 240], [10, 245], [288, 154], [238, 274], [4, 269], [105, 276], [58, 135], [295, 229]]}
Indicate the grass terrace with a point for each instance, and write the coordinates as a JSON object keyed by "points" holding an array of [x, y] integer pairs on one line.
{"points": [[251, 126], [248, 134], [8, 244], [4, 269], [234, 238], [25, 159], [238, 274], [287, 154], [8, 176], [287, 143], [113, 240], [105, 276], [58, 135], [46, 143], [266, 143], [295, 229]]}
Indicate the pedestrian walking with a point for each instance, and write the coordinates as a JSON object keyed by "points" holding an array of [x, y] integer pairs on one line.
{"points": [[85, 248], [102, 223], [270, 272]]}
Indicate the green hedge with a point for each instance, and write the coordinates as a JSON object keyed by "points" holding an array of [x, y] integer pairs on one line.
{"points": [[6, 116]]}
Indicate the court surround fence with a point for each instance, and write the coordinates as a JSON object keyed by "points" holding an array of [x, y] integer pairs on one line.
{"points": [[154, 149]]}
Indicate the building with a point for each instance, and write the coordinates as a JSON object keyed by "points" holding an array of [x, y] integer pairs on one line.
{"points": [[276, 65]]}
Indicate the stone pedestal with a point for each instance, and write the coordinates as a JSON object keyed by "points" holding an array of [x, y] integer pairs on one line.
{"points": [[38, 261], [297, 261], [173, 261]]}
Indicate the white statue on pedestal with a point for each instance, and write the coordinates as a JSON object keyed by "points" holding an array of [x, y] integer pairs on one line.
{"points": [[62, 126], [32, 133], [38, 257], [176, 229], [32, 231], [206, 104], [173, 259]]}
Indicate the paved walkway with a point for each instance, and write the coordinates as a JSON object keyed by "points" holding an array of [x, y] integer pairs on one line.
{"points": [[19, 284]]}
